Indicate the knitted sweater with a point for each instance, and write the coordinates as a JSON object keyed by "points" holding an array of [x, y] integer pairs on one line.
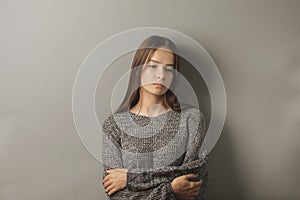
{"points": [[155, 150]]}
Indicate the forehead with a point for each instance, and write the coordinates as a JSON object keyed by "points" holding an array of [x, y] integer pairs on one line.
{"points": [[164, 56]]}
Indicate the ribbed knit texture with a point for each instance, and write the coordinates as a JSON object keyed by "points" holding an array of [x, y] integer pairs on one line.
{"points": [[155, 150]]}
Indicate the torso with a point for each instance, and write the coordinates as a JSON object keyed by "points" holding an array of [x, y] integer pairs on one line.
{"points": [[150, 142]]}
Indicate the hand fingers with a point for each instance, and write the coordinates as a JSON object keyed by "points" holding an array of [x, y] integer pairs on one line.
{"points": [[112, 191], [195, 191], [109, 176], [109, 188], [107, 183], [109, 171], [188, 176], [197, 184], [116, 169], [106, 178]]}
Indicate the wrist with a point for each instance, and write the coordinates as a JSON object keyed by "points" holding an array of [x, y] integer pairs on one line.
{"points": [[171, 191]]}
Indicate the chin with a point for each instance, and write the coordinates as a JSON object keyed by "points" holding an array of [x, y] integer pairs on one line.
{"points": [[152, 91], [156, 93]]}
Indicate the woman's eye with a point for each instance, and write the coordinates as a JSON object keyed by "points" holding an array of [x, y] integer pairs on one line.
{"points": [[169, 69], [152, 66]]}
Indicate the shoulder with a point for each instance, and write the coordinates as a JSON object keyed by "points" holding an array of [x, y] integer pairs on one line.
{"points": [[195, 118], [193, 112], [110, 131], [108, 122], [196, 123], [109, 125]]}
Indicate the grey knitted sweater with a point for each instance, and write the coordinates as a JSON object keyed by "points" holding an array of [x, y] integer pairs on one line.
{"points": [[155, 150]]}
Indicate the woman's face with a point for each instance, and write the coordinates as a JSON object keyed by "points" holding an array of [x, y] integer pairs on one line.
{"points": [[158, 73]]}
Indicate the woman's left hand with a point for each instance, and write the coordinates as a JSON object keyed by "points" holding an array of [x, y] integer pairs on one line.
{"points": [[115, 180]]}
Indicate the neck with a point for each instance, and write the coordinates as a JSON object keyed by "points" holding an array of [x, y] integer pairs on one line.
{"points": [[151, 105]]}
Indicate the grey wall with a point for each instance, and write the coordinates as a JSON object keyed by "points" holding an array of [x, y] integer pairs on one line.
{"points": [[255, 44]]}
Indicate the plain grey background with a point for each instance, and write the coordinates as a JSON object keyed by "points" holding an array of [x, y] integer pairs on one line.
{"points": [[255, 44]]}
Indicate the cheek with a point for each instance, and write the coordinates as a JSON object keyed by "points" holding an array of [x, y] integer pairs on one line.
{"points": [[147, 77], [169, 79]]}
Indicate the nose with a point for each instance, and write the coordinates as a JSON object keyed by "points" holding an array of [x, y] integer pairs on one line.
{"points": [[160, 73]]}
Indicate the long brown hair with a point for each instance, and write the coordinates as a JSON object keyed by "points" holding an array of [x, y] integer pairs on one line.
{"points": [[144, 51]]}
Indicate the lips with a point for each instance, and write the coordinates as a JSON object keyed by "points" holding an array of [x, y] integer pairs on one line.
{"points": [[157, 84]]}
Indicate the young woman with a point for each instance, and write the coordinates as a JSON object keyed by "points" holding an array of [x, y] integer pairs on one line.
{"points": [[151, 143]]}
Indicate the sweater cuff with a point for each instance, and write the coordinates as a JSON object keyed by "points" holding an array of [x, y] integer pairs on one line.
{"points": [[170, 191], [129, 181]]}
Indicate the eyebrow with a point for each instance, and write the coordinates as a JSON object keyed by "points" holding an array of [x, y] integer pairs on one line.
{"points": [[161, 63]]}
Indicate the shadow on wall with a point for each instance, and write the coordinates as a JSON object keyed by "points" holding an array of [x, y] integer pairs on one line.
{"points": [[225, 178], [199, 87]]}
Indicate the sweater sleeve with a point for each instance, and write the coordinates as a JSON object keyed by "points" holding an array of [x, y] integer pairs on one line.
{"points": [[111, 145], [141, 179], [162, 191], [112, 158]]}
